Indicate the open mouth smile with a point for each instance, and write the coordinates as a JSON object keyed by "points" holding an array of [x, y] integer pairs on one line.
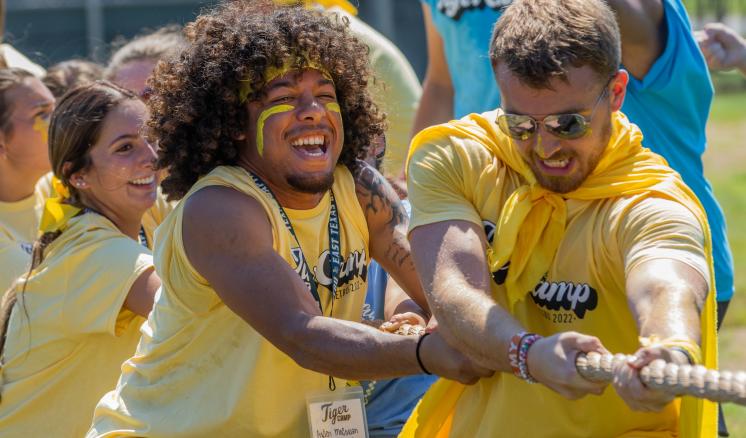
{"points": [[311, 146]]}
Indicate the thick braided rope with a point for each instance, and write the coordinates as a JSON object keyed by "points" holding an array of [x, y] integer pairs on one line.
{"points": [[696, 381], [404, 329]]}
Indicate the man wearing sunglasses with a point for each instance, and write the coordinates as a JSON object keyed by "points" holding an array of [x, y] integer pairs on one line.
{"points": [[543, 230]]}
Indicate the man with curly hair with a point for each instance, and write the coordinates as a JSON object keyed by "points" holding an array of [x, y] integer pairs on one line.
{"points": [[261, 122]]}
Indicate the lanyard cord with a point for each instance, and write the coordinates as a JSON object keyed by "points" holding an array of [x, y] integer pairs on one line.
{"points": [[335, 250]]}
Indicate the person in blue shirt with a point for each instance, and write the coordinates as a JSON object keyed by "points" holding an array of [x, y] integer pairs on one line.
{"points": [[668, 96], [388, 403]]}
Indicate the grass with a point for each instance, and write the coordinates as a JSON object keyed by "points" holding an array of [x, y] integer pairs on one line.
{"points": [[725, 166]]}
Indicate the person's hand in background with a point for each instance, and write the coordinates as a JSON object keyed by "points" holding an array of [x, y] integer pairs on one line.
{"points": [[723, 47]]}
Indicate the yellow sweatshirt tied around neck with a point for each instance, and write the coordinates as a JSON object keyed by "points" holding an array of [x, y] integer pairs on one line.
{"points": [[532, 225]]}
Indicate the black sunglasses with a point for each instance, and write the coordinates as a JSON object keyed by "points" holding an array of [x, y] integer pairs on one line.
{"points": [[565, 126]]}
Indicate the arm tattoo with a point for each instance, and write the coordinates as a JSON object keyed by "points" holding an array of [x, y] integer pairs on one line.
{"points": [[377, 198], [381, 205]]}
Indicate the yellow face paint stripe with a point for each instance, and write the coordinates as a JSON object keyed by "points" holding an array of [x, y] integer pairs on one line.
{"points": [[41, 125], [333, 106], [262, 119]]}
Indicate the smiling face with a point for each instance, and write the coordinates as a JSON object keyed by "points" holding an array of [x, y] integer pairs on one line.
{"points": [[25, 139], [295, 132], [562, 165], [121, 178]]}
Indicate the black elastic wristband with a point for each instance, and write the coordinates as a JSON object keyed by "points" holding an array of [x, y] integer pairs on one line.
{"points": [[417, 352], [689, 357]]}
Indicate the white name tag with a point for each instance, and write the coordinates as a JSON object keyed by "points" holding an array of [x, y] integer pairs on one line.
{"points": [[338, 414]]}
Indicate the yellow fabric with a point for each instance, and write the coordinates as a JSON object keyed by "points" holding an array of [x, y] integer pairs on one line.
{"points": [[200, 358], [67, 334], [632, 208], [57, 212], [19, 226], [691, 348], [155, 215], [342, 4]]}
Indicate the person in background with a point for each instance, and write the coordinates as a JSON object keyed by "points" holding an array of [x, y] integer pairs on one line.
{"points": [[70, 322], [25, 108], [66, 75], [389, 402], [131, 66], [723, 47], [133, 63]]}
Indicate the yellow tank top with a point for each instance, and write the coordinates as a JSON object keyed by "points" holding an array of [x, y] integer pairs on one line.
{"points": [[200, 370]]}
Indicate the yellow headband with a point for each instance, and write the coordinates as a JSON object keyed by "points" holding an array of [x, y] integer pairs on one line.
{"points": [[273, 73], [326, 4], [57, 212]]}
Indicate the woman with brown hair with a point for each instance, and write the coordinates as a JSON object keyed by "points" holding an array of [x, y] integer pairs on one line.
{"points": [[25, 107], [69, 323]]}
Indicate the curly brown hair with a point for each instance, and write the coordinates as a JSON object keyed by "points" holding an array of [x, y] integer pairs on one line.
{"points": [[196, 113]]}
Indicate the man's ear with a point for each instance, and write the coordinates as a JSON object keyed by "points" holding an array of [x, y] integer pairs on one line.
{"points": [[618, 89]]}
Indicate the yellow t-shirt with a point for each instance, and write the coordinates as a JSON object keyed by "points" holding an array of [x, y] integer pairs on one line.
{"points": [[68, 335], [200, 369], [19, 227], [156, 215], [582, 291]]}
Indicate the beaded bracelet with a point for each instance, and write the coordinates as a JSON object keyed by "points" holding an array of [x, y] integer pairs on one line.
{"points": [[518, 354], [526, 343], [515, 342]]}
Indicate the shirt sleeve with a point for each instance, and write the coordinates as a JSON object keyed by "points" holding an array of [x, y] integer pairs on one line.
{"points": [[657, 228], [101, 274], [439, 183]]}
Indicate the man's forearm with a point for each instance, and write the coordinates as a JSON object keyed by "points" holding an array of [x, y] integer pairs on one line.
{"points": [[455, 277], [667, 298], [352, 350], [474, 323]]}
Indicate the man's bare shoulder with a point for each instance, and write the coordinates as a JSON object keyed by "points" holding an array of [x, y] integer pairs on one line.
{"points": [[221, 210]]}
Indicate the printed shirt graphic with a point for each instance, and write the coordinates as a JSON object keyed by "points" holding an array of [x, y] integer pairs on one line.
{"points": [[19, 226], [583, 290], [197, 356], [68, 334]]}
